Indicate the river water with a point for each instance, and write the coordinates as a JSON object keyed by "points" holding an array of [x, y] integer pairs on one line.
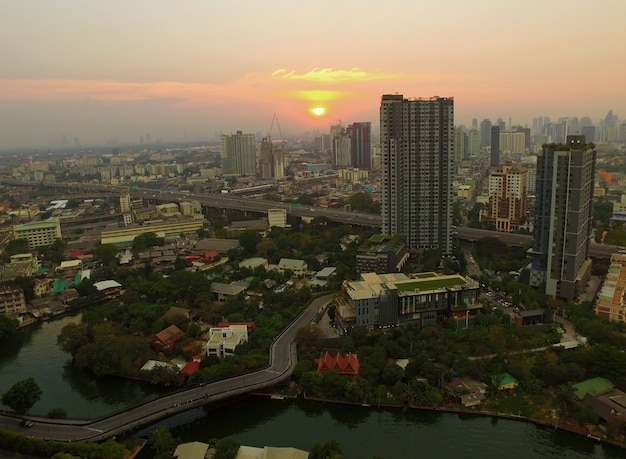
{"points": [[362, 432]]}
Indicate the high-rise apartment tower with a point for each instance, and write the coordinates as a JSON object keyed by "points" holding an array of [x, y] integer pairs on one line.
{"points": [[238, 154], [564, 217], [417, 149]]}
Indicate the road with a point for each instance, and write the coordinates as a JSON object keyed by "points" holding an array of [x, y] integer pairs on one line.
{"points": [[282, 362]]}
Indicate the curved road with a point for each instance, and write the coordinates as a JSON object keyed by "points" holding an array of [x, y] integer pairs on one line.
{"points": [[282, 362]]}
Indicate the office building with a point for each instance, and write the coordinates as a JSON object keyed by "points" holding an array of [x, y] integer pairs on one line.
{"points": [[360, 144], [417, 148], [563, 218], [508, 187], [494, 160], [238, 154]]}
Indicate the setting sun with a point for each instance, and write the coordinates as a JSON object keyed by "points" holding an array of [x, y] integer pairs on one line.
{"points": [[319, 111]]}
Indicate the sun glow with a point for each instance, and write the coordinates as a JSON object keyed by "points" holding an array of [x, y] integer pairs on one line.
{"points": [[318, 111]]}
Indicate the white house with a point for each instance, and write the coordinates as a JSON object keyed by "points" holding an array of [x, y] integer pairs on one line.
{"points": [[223, 341]]}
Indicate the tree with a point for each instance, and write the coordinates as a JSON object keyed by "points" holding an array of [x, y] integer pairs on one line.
{"points": [[7, 327], [330, 449], [106, 253], [162, 442], [226, 448], [22, 395]]}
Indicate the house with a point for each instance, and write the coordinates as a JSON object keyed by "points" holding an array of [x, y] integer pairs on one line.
{"points": [[469, 391], [594, 385], [504, 381], [223, 291], [297, 266], [68, 295], [192, 450], [321, 277], [167, 339], [253, 263], [223, 341], [109, 288], [249, 325], [190, 368], [270, 452], [344, 364], [608, 405], [69, 268]]}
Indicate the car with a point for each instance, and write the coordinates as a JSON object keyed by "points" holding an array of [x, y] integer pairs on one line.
{"points": [[27, 423]]}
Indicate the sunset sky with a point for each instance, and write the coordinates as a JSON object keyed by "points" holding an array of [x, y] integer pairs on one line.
{"points": [[190, 69]]}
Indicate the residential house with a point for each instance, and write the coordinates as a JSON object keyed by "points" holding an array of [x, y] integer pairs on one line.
{"points": [[192, 450], [109, 288], [224, 291], [223, 341], [504, 381], [168, 338], [298, 267]]}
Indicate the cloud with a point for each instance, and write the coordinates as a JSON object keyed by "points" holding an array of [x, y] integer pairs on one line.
{"points": [[338, 76]]}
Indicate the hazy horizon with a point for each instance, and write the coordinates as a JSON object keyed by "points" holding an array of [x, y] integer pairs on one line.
{"points": [[96, 72]]}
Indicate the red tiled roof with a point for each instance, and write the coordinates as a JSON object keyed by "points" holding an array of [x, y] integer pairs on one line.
{"points": [[344, 364], [190, 368]]}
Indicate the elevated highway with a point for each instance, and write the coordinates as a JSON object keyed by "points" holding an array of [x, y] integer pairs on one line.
{"points": [[230, 201]]}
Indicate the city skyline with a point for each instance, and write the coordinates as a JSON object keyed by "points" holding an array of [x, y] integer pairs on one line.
{"points": [[106, 71]]}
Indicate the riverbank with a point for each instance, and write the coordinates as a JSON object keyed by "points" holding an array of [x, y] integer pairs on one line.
{"points": [[566, 425]]}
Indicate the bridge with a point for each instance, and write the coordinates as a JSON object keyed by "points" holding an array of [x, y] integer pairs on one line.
{"points": [[282, 363]]}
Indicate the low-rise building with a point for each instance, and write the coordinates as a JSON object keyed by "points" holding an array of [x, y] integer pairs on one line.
{"points": [[391, 300], [224, 291], [223, 340], [340, 362], [382, 254], [167, 338], [298, 267], [109, 288], [12, 301], [38, 234]]}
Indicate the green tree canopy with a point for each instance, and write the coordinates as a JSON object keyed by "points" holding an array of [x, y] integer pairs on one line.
{"points": [[22, 395], [7, 327]]}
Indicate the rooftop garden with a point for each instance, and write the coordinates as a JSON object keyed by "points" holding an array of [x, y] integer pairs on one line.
{"points": [[434, 284]]}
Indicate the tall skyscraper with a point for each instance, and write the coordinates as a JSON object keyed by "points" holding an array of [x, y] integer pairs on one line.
{"points": [[485, 133], [238, 154], [417, 148], [564, 217], [494, 160], [360, 144]]}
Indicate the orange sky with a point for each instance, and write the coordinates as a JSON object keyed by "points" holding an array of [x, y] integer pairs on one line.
{"points": [[104, 70]]}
